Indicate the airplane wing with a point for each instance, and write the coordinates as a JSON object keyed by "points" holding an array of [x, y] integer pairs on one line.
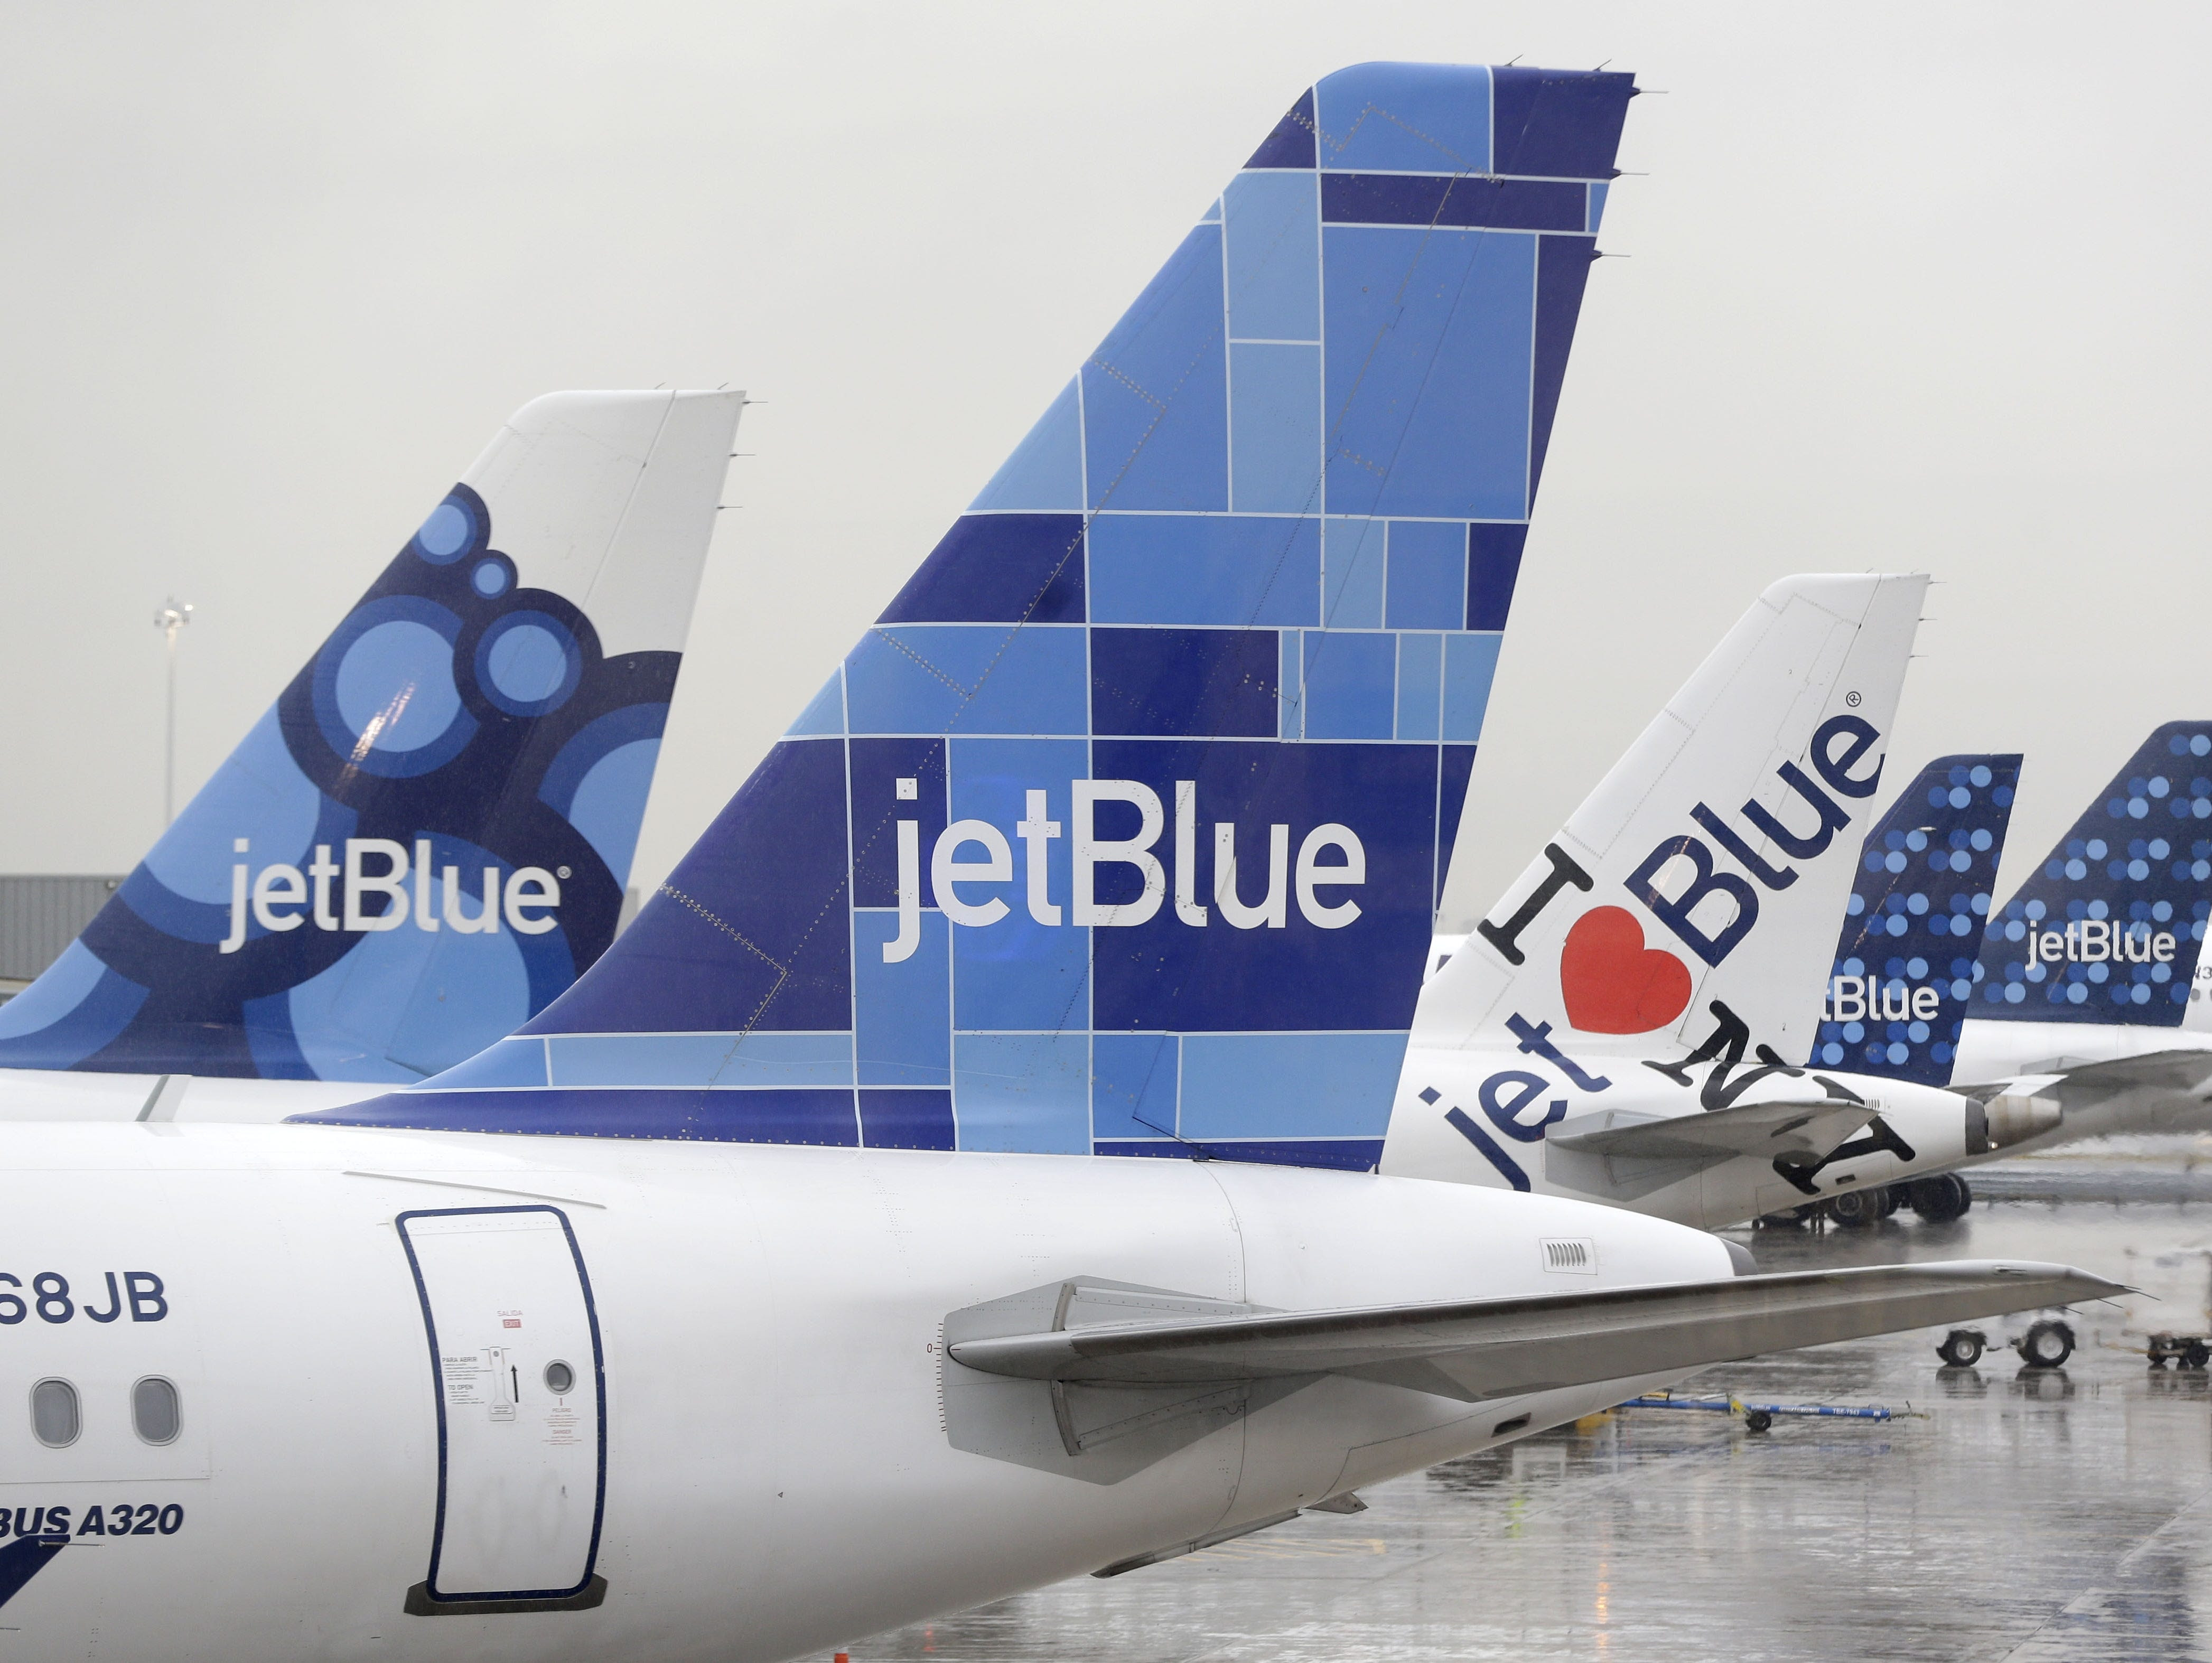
{"points": [[2176, 1070], [1478, 1348], [1811, 1126], [2039, 1100]]}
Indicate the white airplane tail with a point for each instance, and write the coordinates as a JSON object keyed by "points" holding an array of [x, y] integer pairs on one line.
{"points": [[1701, 881]]}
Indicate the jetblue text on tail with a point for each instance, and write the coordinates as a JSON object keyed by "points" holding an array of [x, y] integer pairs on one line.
{"points": [[1344, 866], [350, 896]]}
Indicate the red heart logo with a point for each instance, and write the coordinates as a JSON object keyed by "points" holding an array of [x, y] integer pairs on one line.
{"points": [[1613, 984]]}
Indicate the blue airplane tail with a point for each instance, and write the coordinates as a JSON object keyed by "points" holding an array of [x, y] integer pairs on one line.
{"points": [[1904, 971], [1122, 830], [426, 837], [2109, 928]]}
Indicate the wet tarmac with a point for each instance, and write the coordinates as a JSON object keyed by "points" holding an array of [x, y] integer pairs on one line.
{"points": [[2012, 1513]]}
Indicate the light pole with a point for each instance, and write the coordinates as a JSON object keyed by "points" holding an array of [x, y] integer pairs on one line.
{"points": [[170, 618]]}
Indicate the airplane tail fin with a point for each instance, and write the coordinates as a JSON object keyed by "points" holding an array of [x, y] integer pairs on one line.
{"points": [[2109, 928], [426, 837], [1904, 976], [1121, 830], [1697, 885]]}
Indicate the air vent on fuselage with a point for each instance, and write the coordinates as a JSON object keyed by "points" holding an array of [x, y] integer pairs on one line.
{"points": [[1575, 1255]]}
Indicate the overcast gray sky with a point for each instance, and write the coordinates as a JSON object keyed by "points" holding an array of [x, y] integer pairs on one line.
{"points": [[1909, 287]]}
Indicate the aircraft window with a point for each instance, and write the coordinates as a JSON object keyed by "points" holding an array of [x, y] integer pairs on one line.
{"points": [[560, 1379], [155, 1410], [55, 1421]]}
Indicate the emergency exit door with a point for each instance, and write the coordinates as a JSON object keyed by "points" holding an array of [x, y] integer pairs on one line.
{"points": [[515, 1351]]}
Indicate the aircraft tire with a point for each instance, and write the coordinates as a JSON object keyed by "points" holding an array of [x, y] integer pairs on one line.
{"points": [[2046, 1345], [1941, 1198], [1856, 1210], [1961, 1348]]}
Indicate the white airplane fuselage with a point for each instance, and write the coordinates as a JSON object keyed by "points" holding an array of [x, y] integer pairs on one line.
{"points": [[52, 1095], [752, 1446]]}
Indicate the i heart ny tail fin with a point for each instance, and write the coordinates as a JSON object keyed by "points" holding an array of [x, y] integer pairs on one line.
{"points": [[427, 837], [1711, 864], [1122, 830]]}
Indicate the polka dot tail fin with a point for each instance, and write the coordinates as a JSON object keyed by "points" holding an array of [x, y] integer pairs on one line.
{"points": [[2109, 927], [1906, 968]]}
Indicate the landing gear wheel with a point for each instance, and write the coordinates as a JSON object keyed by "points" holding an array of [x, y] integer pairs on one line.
{"points": [[1757, 1420], [2195, 1354], [2046, 1345], [1892, 1197], [1962, 1347], [1856, 1210], [1939, 1199]]}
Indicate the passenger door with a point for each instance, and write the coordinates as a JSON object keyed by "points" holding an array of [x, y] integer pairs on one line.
{"points": [[515, 1350]]}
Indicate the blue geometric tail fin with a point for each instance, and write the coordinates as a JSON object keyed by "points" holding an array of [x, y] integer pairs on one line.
{"points": [[1904, 971], [1122, 830], [426, 837], [2108, 929]]}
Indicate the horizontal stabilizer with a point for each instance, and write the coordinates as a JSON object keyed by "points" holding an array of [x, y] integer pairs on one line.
{"points": [[1477, 1349], [2078, 1084], [1811, 1126], [2176, 1070]]}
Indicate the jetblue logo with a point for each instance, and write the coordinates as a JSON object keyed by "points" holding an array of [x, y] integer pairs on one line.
{"points": [[971, 853], [1729, 903], [2101, 941], [1610, 980], [379, 886], [1869, 998]]}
